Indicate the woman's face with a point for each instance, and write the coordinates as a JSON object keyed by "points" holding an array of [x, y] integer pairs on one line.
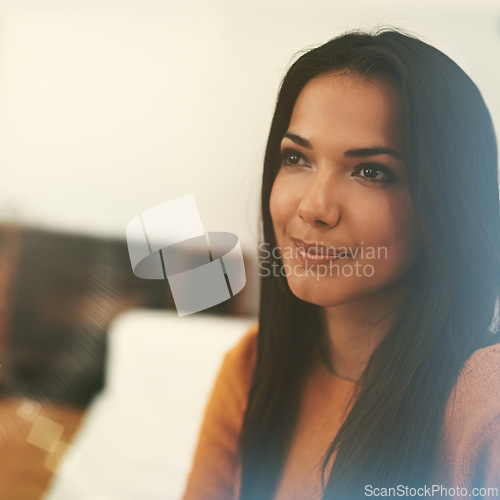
{"points": [[340, 204]]}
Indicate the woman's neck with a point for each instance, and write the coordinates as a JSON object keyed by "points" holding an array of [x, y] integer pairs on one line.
{"points": [[354, 330]]}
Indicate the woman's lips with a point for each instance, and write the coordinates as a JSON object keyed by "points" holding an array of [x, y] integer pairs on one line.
{"points": [[317, 254]]}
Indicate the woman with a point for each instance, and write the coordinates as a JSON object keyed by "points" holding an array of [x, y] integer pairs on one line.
{"points": [[374, 363]]}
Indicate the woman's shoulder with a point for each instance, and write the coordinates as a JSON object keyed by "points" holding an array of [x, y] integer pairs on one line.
{"points": [[471, 439], [473, 407], [475, 395], [485, 359], [236, 371], [215, 462], [246, 346], [239, 361], [479, 379]]}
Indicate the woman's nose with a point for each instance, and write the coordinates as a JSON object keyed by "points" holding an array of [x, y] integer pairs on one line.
{"points": [[320, 205]]}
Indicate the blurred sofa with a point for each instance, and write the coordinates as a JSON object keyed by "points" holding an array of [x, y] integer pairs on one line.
{"points": [[139, 435], [59, 292]]}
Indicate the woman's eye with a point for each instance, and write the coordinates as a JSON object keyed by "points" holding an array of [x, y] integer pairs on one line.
{"points": [[373, 173], [291, 157]]}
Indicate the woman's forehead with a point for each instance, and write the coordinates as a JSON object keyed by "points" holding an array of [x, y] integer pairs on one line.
{"points": [[345, 106]]}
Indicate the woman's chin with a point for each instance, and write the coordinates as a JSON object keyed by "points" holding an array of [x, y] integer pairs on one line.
{"points": [[320, 294]]}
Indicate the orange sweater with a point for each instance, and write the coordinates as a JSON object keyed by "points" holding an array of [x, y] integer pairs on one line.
{"points": [[471, 431]]}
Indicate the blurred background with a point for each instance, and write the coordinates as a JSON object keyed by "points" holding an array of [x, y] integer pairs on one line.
{"points": [[108, 108]]}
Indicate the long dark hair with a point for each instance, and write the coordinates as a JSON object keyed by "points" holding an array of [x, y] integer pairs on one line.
{"points": [[451, 162]]}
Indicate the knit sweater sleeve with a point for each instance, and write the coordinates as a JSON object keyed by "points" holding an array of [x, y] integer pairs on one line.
{"points": [[470, 448], [485, 462], [488, 466], [213, 474]]}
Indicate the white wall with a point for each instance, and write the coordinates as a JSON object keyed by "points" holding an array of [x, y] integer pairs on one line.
{"points": [[108, 108]]}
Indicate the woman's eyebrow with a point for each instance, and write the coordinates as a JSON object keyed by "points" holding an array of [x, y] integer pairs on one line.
{"points": [[351, 153], [298, 140], [364, 152]]}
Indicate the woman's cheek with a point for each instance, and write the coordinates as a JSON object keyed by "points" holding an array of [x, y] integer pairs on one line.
{"points": [[280, 201]]}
